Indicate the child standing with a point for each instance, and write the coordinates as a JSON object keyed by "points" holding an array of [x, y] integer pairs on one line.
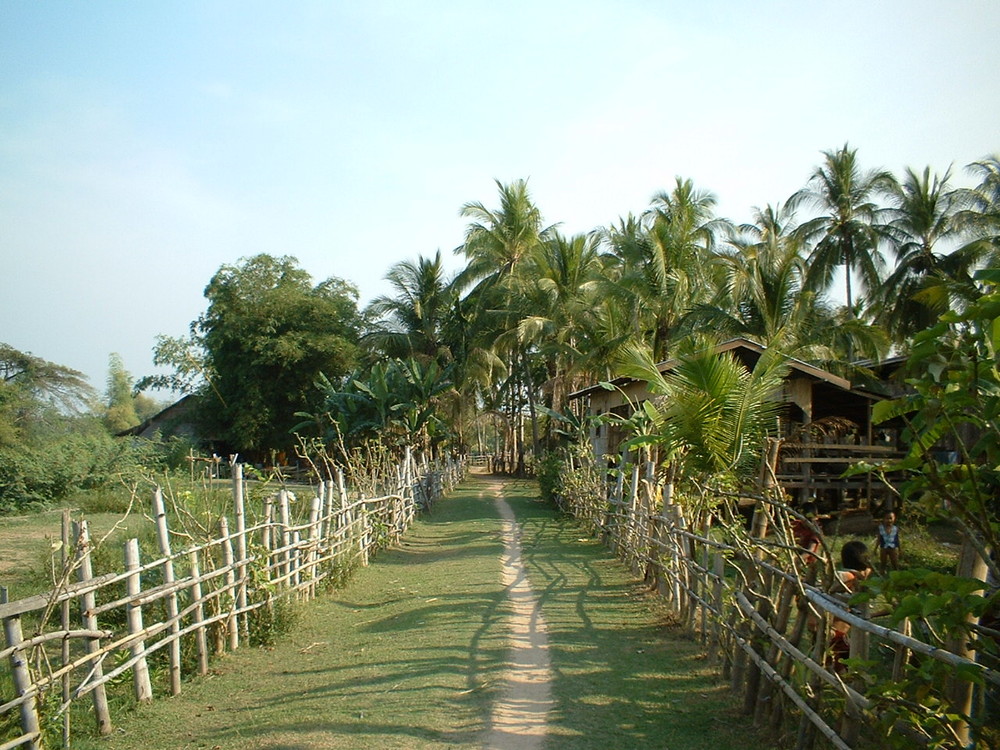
{"points": [[887, 542]]}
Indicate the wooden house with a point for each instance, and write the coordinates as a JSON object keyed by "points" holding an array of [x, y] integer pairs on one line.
{"points": [[825, 426]]}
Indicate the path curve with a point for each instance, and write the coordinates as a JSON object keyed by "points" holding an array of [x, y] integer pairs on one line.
{"points": [[520, 716]]}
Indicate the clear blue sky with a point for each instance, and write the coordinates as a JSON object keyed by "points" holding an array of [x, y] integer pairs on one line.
{"points": [[144, 144]]}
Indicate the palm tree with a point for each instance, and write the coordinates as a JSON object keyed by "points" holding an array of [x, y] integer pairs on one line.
{"points": [[411, 322], [980, 216], [765, 298], [847, 231], [710, 413], [923, 224], [663, 263], [497, 242], [565, 273]]}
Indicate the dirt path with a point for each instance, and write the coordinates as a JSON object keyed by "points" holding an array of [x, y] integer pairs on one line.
{"points": [[519, 718]]}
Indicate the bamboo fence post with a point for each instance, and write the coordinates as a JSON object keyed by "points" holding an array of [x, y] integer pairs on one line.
{"points": [[239, 514], [267, 536], [760, 589], [198, 616], [133, 584], [315, 521], [365, 528], [807, 729], [21, 675], [960, 691], [296, 562], [739, 657], [346, 530], [715, 643], [632, 521], [286, 536], [227, 562], [87, 603], [768, 693], [163, 537], [66, 622], [902, 655]]}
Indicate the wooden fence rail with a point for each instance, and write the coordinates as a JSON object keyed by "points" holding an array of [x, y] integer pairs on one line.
{"points": [[761, 612], [205, 596]]}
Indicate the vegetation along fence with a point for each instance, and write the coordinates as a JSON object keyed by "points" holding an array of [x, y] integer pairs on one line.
{"points": [[764, 611], [167, 615]]}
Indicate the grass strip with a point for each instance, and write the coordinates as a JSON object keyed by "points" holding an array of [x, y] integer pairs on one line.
{"points": [[410, 653], [406, 655], [625, 675]]}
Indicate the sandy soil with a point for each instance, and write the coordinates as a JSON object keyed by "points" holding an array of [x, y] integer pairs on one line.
{"points": [[519, 718]]}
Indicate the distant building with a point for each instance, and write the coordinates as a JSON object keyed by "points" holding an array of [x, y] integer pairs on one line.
{"points": [[825, 424]]}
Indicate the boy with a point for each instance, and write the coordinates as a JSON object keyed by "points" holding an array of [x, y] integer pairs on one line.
{"points": [[887, 542]]}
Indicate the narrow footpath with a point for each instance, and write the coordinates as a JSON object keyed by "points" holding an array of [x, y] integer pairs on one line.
{"points": [[497, 624], [520, 717]]}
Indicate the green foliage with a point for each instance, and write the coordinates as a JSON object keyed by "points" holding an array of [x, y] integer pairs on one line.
{"points": [[954, 405], [710, 413], [955, 381], [548, 472], [120, 413], [398, 402], [256, 352]]}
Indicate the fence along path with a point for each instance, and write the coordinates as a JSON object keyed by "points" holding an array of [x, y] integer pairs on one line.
{"points": [[751, 602], [207, 596]]}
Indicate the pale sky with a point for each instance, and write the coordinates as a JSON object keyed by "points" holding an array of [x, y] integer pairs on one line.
{"points": [[145, 144]]}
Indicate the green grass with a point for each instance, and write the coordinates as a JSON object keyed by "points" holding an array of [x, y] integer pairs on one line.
{"points": [[407, 655], [410, 654], [625, 675]]}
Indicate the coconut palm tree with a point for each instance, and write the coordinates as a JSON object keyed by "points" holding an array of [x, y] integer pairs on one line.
{"points": [[847, 230], [497, 243], [411, 322], [764, 297], [922, 232], [563, 294], [663, 262]]}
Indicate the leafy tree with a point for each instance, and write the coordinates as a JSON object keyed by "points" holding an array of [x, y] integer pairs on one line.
{"points": [[34, 391], [258, 349], [120, 413], [952, 417]]}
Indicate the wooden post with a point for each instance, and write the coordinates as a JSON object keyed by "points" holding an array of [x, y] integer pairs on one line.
{"points": [[286, 536], [201, 641], [267, 535], [133, 584], [959, 691], [239, 515], [87, 603], [315, 521], [227, 562], [296, 561], [21, 675], [65, 615], [719, 572], [163, 537]]}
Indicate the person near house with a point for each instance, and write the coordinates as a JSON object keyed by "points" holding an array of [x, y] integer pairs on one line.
{"points": [[805, 533], [887, 542], [855, 567]]}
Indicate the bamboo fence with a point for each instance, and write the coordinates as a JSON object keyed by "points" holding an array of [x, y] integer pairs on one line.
{"points": [[187, 604], [762, 615]]}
